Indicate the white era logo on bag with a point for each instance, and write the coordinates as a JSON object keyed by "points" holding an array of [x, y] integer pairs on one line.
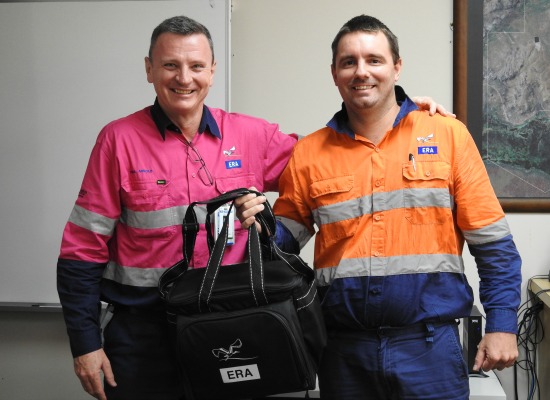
{"points": [[239, 374], [231, 353]]}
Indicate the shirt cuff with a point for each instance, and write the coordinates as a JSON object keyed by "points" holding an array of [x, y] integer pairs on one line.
{"points": [[501, 320], [84, 342], [284, 239]]}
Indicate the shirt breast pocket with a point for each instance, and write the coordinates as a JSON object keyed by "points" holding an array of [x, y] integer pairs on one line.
{"points": [[337, 209], [148, 210], [426, 196], [225, 184]]}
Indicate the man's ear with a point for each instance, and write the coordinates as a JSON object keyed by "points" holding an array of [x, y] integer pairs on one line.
{"points": [[398, 65], [148, 70], [212, 70]]}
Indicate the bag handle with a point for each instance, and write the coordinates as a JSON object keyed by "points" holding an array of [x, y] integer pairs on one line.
{"points": [[215, 260], [191, 226], [190, 229], [266, 220]]}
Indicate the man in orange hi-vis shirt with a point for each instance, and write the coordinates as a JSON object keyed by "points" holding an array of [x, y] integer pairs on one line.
{"points": [[394, 193]]}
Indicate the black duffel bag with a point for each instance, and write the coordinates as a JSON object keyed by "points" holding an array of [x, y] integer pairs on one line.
{"points": [[245, 330]]}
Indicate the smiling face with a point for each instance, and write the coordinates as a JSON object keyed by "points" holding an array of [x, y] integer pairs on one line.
{"points": [[181, 69], [364, 71]]}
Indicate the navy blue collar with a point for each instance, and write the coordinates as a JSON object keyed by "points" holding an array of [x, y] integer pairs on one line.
{"points": [[339, 121], [208, 123]]}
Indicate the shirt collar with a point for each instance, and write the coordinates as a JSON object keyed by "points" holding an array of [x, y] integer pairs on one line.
{"points": [[208, 123], [339, 121]]}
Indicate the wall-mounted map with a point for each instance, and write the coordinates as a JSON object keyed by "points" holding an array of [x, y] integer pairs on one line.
{"points": [[516, 97]]}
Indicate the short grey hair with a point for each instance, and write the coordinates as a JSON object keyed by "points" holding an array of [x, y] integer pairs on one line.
{"points": [[180, 25]]}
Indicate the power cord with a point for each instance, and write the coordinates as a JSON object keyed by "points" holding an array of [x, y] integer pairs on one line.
{"points": [[530, 334]]}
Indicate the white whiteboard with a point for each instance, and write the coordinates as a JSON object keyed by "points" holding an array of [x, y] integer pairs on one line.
{"points": [[67, 69]]}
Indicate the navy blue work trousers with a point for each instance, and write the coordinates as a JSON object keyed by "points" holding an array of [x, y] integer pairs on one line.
{"points": [[419, 362], [142, 351]]}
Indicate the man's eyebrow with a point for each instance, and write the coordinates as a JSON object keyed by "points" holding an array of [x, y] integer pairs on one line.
{"points": [[345, 57]]}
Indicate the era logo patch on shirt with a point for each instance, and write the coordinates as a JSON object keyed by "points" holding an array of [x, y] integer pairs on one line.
{"points": [[427, 150], [230, 151], [233, 164]]}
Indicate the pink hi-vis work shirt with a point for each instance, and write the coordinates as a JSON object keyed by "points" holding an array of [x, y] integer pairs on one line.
{"points": [[125, 228]]}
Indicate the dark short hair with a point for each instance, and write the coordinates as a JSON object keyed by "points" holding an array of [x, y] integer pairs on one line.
{"points": [[366, 23], [180, 25]]}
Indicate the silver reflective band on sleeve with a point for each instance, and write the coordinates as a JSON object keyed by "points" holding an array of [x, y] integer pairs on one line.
{"points": [[91, 221], [299, 231], [487, 234]]}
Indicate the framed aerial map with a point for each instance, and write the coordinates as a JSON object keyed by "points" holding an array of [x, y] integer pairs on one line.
{"points": [[502, 93]]}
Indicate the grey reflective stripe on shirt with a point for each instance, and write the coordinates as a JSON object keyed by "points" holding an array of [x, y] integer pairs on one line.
{"points": [[385, 266], [384, 201], [159, 218], [152, 219], [434, 197], [102, 225], [91, 221], [131, 276]]}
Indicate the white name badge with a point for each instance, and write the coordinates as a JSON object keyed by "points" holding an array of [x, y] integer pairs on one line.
{"points": [[239, 374], [218, 223]]}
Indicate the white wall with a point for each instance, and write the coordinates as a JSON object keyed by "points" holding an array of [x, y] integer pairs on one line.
{"points": [[67, 69], [281, 71], [280, 68]]}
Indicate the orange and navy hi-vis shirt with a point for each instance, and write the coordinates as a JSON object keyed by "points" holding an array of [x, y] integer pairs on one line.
{"points": [[392, 219]]}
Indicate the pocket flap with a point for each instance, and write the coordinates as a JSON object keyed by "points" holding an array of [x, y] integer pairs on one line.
{"points": [[226, 184], [338, 184], [427, 170]]}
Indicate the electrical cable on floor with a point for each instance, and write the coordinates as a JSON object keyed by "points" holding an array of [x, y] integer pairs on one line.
{"points": [[530, 334]]}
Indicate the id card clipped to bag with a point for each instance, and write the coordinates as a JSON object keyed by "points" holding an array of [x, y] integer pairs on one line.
{"points": [[220, 214]]}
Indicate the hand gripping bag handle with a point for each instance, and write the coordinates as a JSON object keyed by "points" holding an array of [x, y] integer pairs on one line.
{"points": [[190, 229], [191, 226]]}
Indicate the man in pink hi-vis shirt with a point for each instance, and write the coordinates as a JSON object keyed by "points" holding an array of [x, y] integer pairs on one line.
{"points": [[125, 228]]}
